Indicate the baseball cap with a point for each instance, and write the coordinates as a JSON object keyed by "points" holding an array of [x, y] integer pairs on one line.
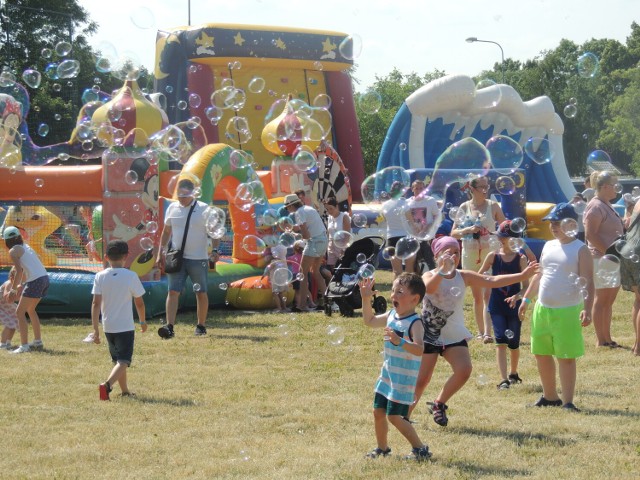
{"points": [[291, 199], [10, 232], [561, 211], [504, 230]]}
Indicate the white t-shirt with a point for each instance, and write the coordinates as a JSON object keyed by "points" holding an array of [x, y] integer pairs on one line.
{"points": [[197, 240], [313, 220], [393, 211], [558, 261], [31, 264], [117, 287]]}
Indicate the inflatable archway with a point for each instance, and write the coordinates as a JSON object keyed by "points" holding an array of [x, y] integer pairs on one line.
{"points": [[213, 166]]}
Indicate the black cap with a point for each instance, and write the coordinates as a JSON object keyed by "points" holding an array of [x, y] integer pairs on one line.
{"points": [[560, 212]]}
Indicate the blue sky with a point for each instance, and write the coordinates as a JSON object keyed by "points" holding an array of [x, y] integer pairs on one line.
{"points": [[412, 35]]}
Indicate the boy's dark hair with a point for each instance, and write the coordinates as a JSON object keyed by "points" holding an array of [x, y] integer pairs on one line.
{"points": [[333, 201], [413, 282], [117, 250], [300, 192], [12, 242], [186, 184]]}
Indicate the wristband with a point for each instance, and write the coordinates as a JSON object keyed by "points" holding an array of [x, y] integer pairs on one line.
{"points": [[526, 300], [402, 342], [143, 323]]}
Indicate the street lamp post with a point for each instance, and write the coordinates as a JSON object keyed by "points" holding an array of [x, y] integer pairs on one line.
{"points": [[475, 39]]}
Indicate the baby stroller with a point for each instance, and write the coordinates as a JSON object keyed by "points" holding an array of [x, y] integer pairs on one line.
{"points": [[343, 289]]}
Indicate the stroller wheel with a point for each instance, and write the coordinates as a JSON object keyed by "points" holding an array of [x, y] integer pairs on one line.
{"points": [[346, 310], [379, 305], [327, 309]]}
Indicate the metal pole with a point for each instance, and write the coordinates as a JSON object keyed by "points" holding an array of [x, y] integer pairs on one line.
{"points": [[475, 39]]}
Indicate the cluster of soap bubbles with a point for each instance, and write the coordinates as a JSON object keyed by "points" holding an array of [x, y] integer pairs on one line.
{"points": [[335, 334], [580, 283]]}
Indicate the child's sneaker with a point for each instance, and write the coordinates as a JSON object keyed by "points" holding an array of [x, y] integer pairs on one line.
{"points": [[419, 454], [104, 389], [438, 409], [378, 452], [5, 346], [514, 378], [21, 349], [201, 330], [504, 384], [36, 345]]}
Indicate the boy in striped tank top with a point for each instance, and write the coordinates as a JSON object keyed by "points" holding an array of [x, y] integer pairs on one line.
{"points": [[403, 335]]}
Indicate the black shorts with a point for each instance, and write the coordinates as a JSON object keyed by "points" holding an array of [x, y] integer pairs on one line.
{"points": [[296, 284], [429, 348], [121, 346]]}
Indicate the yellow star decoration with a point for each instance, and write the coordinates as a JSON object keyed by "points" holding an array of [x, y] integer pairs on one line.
{"points": [[280, 44], [328, 46], [238, 40], [205, 40]]}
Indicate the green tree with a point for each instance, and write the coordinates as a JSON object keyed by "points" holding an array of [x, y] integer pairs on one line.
{"points": [[393, 89]]}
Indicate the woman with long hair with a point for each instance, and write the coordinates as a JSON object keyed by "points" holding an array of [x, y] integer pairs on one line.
{"points": [[476, 220]]}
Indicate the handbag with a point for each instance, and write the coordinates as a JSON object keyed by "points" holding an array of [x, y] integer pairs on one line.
{"points": [[617, 248], [173, 258]]}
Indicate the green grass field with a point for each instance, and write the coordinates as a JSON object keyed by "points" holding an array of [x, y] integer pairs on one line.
{"points": [[278, 397]]}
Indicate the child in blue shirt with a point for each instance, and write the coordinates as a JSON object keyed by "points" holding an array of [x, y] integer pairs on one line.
{"points": [[403, 334]]}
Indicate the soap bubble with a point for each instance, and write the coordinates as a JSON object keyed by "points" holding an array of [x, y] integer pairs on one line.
{"points": [[494, 243], [505, 185], [283, 329], [342, 239], [256, 85], [506, 154], [407, 247], [281, 277], [63, 49], [151, 227], [588, 64], [581, 282], [131, 177], [420, 216], [197, 287], [146, 243], [579, 206], [388, 253], [285, 224], [390, 183], [448, 266], [570, 111], [518, 225], [39, 182], [359, 220], [46, 53], [550, 268], [361, 258], [539, 150], [370, 102], [516, 244], [32, 78], [322, 101], [304, 160], [366, 271], [336, 335], [43, 129], [482, 379], [509, 334], [68, 69], [287, 239], [455, 292], [253, 244], [350, 47], [597, 156], [223, 286], [569, 226], [142, 17], [618, 188], [238, 130]]}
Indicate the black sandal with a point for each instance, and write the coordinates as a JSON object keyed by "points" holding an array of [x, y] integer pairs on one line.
{"points": [[514, 378], [378, 452]]}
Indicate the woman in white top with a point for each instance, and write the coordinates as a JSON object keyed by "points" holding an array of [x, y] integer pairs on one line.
{"points": [[476, 220], [310, 224], [337, 221]]}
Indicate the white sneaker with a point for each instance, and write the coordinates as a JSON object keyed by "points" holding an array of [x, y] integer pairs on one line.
{"points": [[5, 346], [21, 349], [89, 338]]}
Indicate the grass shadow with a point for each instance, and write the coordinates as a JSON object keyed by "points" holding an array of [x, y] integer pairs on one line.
{"points": [[53, 353], [253, 338], [612, 413], [520, 439], [175, 402], [479, 471]]}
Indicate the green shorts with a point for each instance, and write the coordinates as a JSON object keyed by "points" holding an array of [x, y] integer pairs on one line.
{"points": [[392, 408], [557, 331]]}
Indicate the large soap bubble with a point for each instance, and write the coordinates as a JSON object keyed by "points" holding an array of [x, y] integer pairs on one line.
{"points": [[597, 156], [588, 65], [351, 47], [407, 247], [539, 150], [390, 183], [253, 244], [370, 102], [421, 216], [464, 155], [506, 154]]}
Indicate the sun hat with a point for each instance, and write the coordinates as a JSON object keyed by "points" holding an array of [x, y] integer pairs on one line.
{"points": [[291, 199], [561, 211], [10, 232]]}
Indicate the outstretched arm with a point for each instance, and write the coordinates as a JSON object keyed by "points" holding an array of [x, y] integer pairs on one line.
{"points": [[369, 318], [474, 279]]}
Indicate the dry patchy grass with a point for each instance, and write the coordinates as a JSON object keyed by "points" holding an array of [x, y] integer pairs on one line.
{"points": [[255, 399]]}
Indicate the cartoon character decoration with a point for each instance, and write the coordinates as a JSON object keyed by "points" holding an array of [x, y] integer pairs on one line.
{"points": [[10, 139], [35, 223]]}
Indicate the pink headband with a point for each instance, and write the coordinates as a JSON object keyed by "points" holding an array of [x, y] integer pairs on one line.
{"points": [[441, 243]]}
